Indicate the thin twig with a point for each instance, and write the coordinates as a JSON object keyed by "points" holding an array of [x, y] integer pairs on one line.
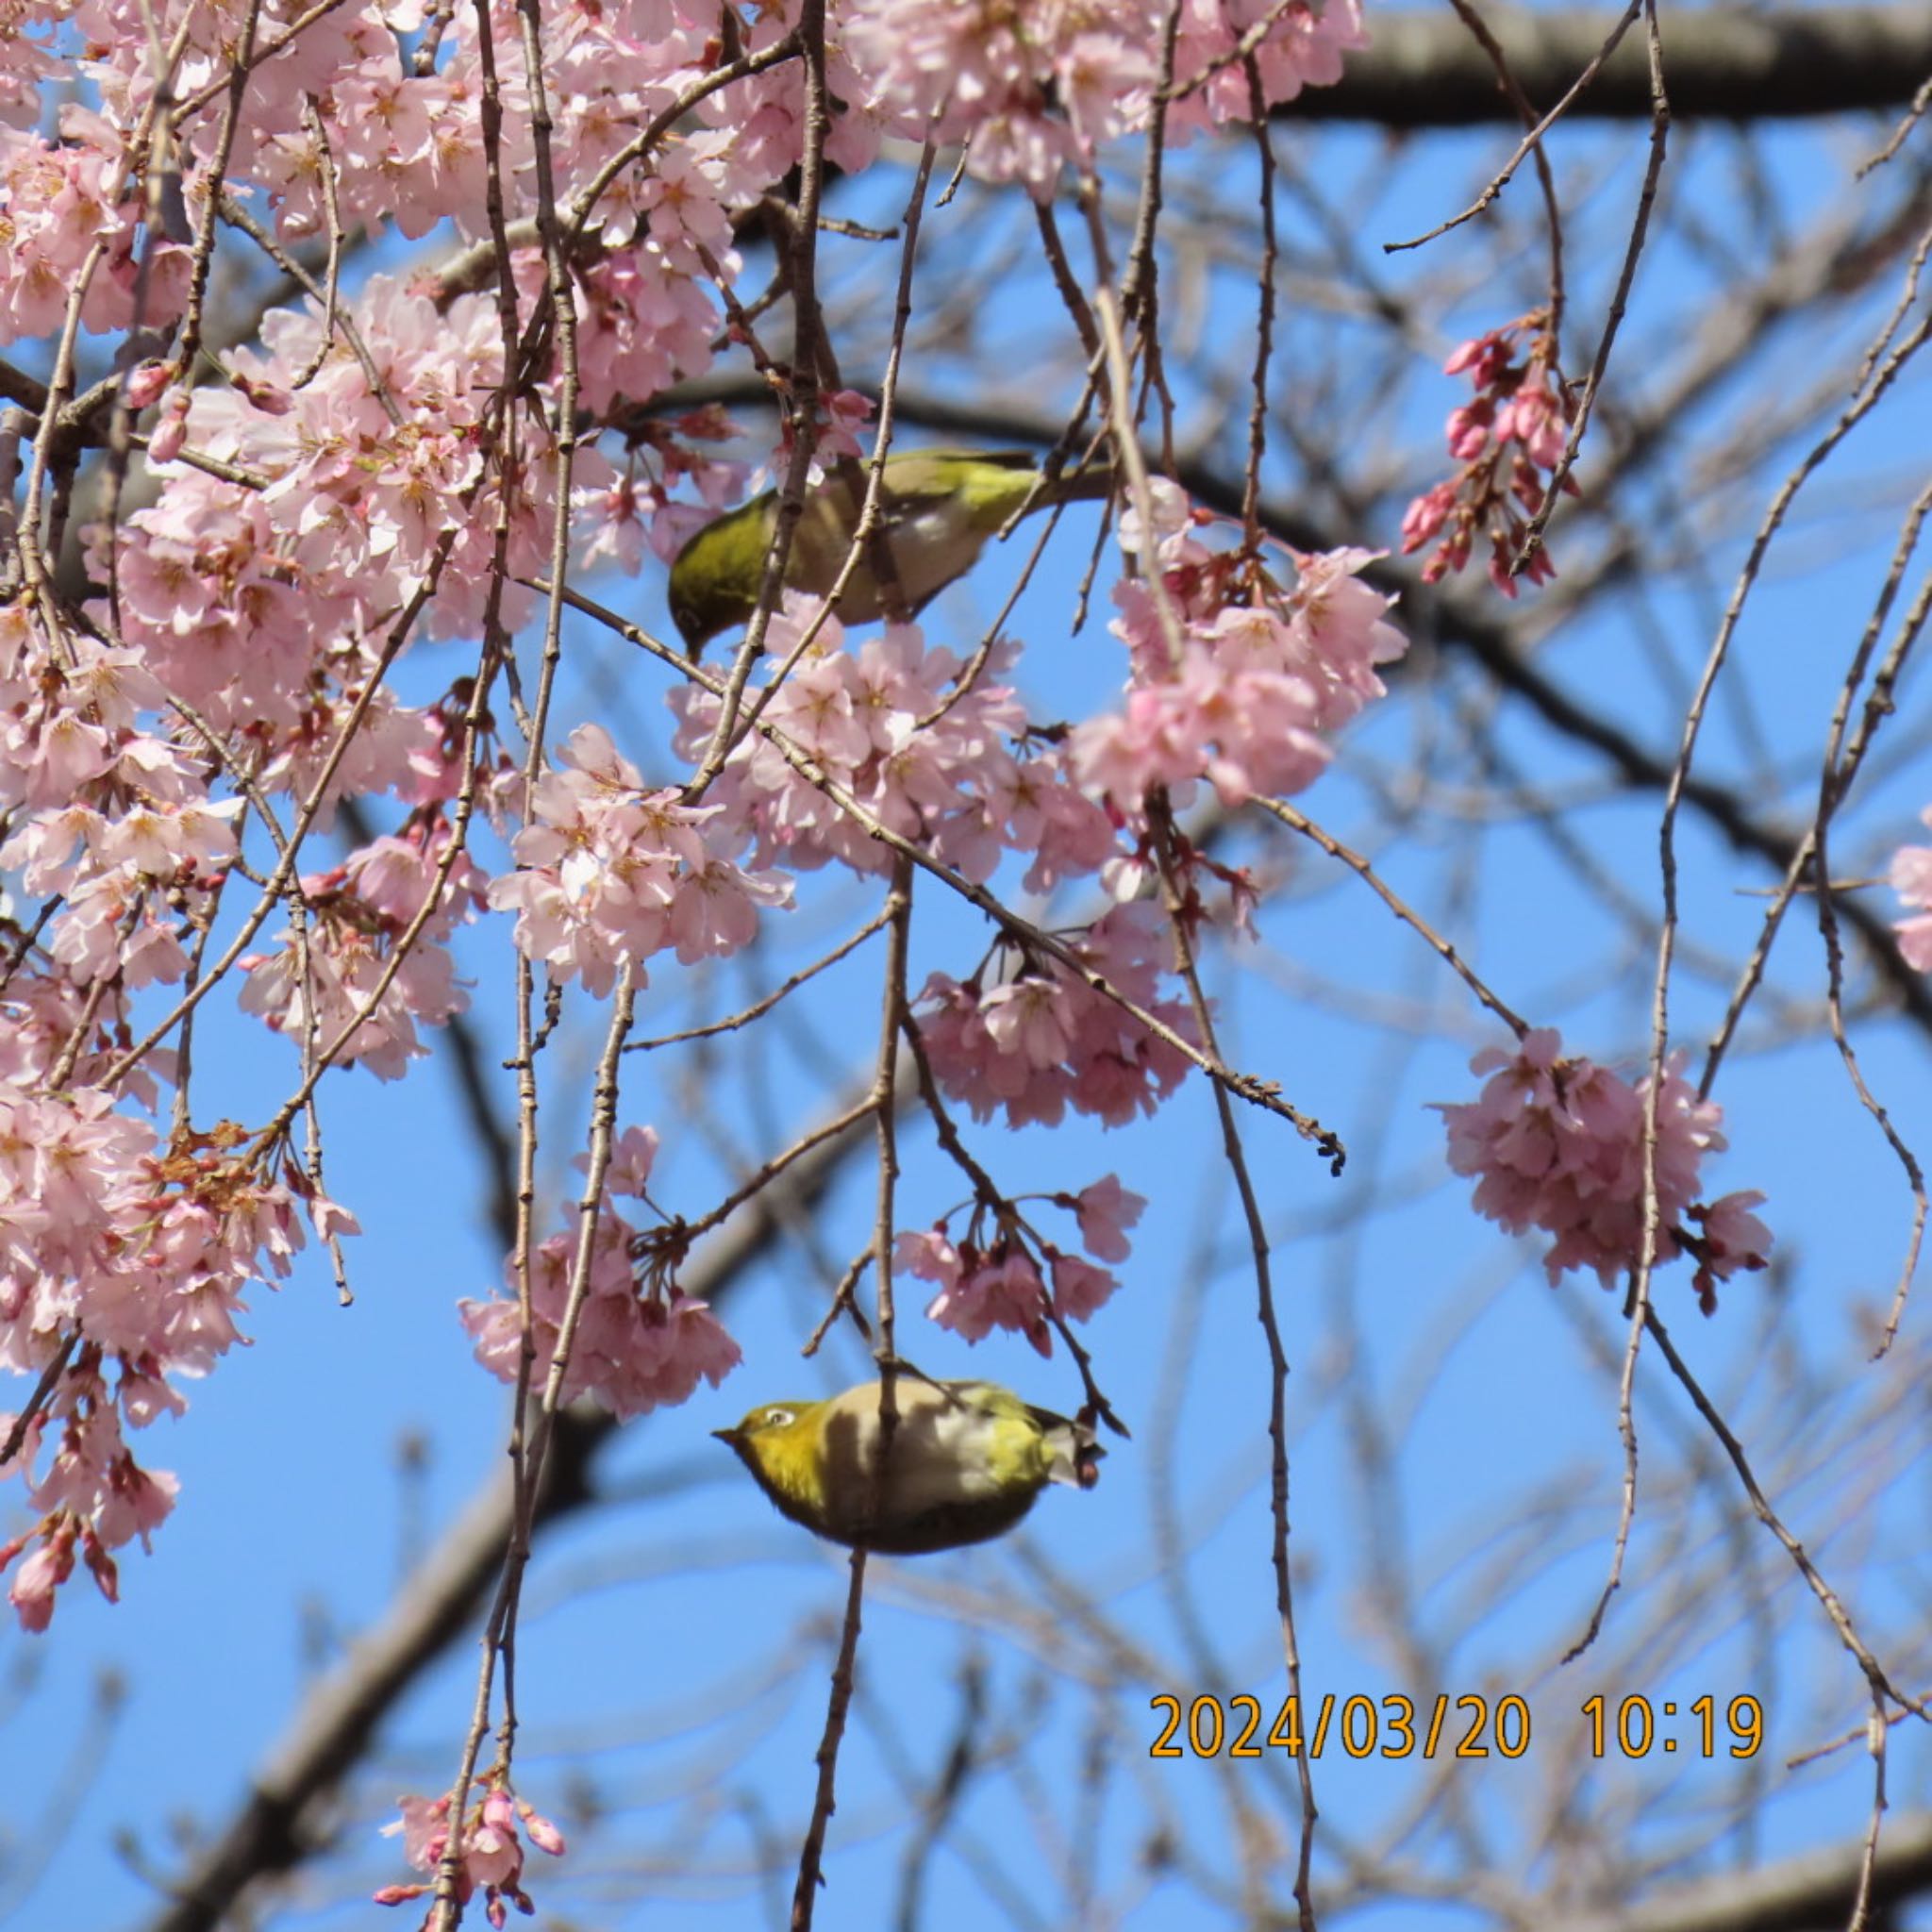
{"points": [[1640, 228], [1530, 141]]}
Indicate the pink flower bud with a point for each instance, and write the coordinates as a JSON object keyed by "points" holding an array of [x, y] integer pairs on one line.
{"points": [[171, 433], [146, 381], [543, 1834]]}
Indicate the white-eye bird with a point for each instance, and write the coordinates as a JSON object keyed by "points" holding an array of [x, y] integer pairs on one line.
{"points": [[967, 1461], [937, 509]]}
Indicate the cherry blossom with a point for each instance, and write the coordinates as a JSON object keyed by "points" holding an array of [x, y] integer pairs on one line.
{"points": [[1557, 1144], [1106, 1210], [72, 223], [1507, 440], [1237, 678], [994, 1283], [1733, 1240], [1043, 1039], [951, 770], [610, 872], [640, 1342], [1911, 879], [491, 1859], [1032, 96], [980, 1289], [323, 979], [144, 1252]]}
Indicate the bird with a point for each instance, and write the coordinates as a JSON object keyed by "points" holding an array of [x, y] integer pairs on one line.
{"points": [[966, 1462], [937, 509]]}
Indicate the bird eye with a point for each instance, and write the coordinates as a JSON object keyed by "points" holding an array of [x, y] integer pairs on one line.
{"points": [[778, 1418]]}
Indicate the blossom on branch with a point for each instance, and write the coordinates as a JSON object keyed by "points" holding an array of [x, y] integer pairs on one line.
{"points": [[1509, 441], [1033, 91], [1045, 1040], [143, 1252], [491, 1856], [322, 979], [610, 872], [951, 769], [1235, 678], [640, 1342], [994, 1283], [1557, 1144]]}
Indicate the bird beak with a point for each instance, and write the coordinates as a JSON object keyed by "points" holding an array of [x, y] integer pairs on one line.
{"points": [[726, 1436]]}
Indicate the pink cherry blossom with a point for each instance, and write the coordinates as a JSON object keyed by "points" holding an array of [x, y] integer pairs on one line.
{"points": [[1106, 1211], [146, 1254], [997, 1288], [984, 1286], [631, 1161], [1045, 1040], [1032, 97], [1558, 1145], [610, 871], [1734, 1240], [939, 767], [1236, 678], [324, 978], [1079, 1289], [1911, 879], [639, 1344], [491, 1858], [1507, 440], [37, 1581]]}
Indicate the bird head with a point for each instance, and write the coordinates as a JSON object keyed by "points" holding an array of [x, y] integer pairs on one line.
{"points": [[778, 1443]]}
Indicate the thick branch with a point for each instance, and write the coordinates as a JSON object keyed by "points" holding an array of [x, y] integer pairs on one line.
{"points": [[1424, 70], [271, 1832], [1794, 1895]]}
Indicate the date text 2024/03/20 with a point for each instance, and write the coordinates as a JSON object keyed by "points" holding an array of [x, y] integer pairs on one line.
{"points": [[1466, 1726]]}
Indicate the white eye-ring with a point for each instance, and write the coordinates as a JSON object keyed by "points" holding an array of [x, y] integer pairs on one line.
{"points": [[778, 1418]]}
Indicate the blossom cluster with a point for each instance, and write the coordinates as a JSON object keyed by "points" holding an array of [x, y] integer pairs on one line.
{"points": [[1042, 1040], [111, 817], [1508, 440], [1235, 678], [137, 1253], [609, 871], [1031, 94], [987, 1283], [1557, 1144], [70, 218], [946, 765], [342, 975], [636, 1346], [492, 1859]]}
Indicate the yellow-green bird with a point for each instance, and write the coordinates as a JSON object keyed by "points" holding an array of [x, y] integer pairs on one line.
{"points": [[967, 1461], [937, 509]]}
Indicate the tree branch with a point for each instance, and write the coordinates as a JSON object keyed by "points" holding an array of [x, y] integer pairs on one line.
{"points": [[1425, 70], [1794, 1895]]}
